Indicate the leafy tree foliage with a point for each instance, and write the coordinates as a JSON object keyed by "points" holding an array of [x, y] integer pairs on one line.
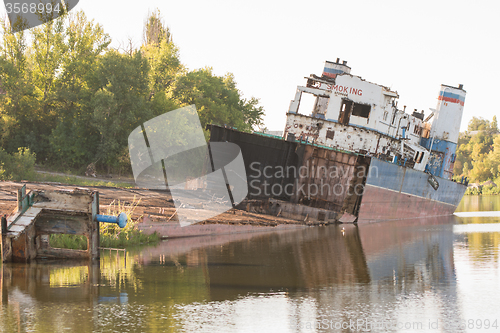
{"points": [[72, 100], [118, 102], [165, 66], [478, 124], [155, 31], [478, 153], [494, 124], [17, 166], [217, 99], [73, 139]]}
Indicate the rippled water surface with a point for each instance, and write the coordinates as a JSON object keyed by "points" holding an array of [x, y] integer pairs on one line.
{"points": [[438, 275]]}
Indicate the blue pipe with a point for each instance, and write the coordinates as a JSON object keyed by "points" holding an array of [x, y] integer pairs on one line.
{"points": [[121, 219]]}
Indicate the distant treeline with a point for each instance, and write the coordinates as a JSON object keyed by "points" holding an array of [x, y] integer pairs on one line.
{"points": [[478, 152], [71, 100]]}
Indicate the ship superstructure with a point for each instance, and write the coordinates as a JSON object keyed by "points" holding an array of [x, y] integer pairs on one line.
{"points": [[356, 115]]}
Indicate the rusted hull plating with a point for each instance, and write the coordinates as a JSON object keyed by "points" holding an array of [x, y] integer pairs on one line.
{"points": [[381, 204], [297, 180]]}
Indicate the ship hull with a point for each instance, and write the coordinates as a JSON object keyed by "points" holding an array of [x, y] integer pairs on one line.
{"points": [[394, 192], [390, 191]]}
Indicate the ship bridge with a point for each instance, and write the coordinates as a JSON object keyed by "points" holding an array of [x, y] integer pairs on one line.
{"points": [[344, 111]]}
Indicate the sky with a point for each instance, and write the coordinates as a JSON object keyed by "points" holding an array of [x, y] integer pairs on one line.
{"points": [[270, 46]]}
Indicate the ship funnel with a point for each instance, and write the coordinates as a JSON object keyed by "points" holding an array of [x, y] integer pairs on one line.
{"points": [[444, 131], [332, 69], [448, 115]]}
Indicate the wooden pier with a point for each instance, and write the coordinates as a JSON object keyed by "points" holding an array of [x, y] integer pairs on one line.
{"points": [[25, 235]]}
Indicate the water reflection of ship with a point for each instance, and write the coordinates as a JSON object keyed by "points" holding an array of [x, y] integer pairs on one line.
{"points": [[408, 250], [417, 249], [308, 258]]}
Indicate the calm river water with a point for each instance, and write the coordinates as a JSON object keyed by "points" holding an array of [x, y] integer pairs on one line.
{"points": [[439, 275]]}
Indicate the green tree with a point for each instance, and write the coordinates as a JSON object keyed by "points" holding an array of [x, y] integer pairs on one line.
{"points": [[44, 59], [466, 169], [478, 124], [45, 88], [73, 140], [481, 171], [217, 100], [17, 166], [155, 30], [494, 125], [494, 158], [164, 64], [481, 144], [462, 153], [119, 103], [72, 101], [480, 152], [18, 98]]}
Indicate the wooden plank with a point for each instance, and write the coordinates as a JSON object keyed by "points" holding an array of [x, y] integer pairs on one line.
{"points": [[19, 249], [16, 228], [63, 224], [53, 253], [30, 242], [23, 221], [76, 200], [94, 228], [6, 249], [32, 212]]}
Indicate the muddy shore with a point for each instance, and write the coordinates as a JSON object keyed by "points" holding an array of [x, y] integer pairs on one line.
{"points": [[155, 211]]}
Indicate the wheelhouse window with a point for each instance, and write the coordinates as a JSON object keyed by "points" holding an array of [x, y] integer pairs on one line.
{"points": [[361, 110], [419, 156], [386, 114]]}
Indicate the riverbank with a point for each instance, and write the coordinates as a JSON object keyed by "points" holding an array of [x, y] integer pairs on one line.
{"points": [[487, 188], [44, 176], [154, 211]]}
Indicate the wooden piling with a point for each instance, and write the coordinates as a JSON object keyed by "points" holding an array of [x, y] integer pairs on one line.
{"points": [[42, 213]]}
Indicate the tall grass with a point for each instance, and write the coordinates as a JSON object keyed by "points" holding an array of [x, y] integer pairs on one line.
{"points": [[114, 236], [65, 241], [111, 235]]}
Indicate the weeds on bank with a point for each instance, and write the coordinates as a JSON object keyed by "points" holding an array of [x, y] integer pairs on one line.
{"points": [[73, 180], [65, 241], [114, 236], [111, 235]]}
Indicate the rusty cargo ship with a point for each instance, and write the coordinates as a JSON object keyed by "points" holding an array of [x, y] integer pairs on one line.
{"points": [[352, 155]]}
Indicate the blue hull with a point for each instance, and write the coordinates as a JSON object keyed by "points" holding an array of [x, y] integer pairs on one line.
{"points": [[396, 192]]}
